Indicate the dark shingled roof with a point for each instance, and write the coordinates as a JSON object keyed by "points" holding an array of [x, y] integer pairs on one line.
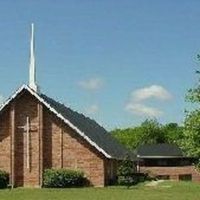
{"points": [[90, 128], [159, 150]]}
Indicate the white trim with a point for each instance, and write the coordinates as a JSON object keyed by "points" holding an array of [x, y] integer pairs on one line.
{"points": [[138, 156], [57, 114]]}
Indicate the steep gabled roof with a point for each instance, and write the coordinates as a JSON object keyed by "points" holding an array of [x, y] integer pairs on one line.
{"points": [[162, 150], [87, 128]]}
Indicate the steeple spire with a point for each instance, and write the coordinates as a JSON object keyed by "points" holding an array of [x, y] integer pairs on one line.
{"points": [[32, 67]]}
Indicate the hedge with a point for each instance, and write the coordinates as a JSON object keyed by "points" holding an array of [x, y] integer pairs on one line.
{"points": [[63, 178], [4, 179]]}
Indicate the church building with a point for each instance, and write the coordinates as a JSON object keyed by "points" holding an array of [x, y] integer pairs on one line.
{"points": [[38, 133]]}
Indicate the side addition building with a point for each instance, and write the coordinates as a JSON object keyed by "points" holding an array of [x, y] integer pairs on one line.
{"points": [[166, 161]]}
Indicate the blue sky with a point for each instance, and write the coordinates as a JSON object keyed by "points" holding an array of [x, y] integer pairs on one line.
{"points": [[118, 62]]}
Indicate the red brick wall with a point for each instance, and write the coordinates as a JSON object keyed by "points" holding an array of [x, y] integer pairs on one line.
{"points": [[173, 172], [5, 141]]}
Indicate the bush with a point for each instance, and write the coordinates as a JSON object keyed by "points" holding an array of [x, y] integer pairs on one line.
{"points": [[126, 173], [127, 180], [133, 179], [62, 178], [4, 179]]}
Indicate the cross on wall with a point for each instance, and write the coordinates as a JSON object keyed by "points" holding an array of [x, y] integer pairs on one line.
{"points": [[28, 128]]}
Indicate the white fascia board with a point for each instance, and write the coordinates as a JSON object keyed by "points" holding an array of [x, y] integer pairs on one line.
{"points": [[159, 156], [58, 115]]}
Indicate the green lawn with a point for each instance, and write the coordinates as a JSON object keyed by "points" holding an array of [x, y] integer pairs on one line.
{"points": [[164, 191]]}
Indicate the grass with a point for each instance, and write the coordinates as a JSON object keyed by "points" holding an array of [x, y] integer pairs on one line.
{"points": [[164, 191]]}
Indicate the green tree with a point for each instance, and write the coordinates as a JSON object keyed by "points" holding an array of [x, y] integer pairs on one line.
{"points": [[130, 137], [191, 139], [149, 132], [173, 133], [191, 136], [126, 172]]}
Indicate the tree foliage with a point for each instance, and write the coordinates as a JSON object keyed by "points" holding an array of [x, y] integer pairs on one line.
{"points": [[126, 172], [173, 133], [149, 132], [191, 137]]}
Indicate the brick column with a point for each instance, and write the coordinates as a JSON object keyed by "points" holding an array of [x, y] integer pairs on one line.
{"points": [[12, 146], [61, 147], [40, 119]]}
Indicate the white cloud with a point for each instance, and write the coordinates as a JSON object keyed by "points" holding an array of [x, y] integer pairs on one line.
{"points": [[137, 106], [91, 84], [143, 110], [91, 110], [153, 91]]}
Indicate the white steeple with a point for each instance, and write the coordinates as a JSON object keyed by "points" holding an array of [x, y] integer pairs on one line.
{"points": [[32, 67]]}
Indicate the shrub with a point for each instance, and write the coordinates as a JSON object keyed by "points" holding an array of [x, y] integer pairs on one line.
{"points": [[127, 180], [62, 178], [4, 179], [133, 179], [126, 173]]}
